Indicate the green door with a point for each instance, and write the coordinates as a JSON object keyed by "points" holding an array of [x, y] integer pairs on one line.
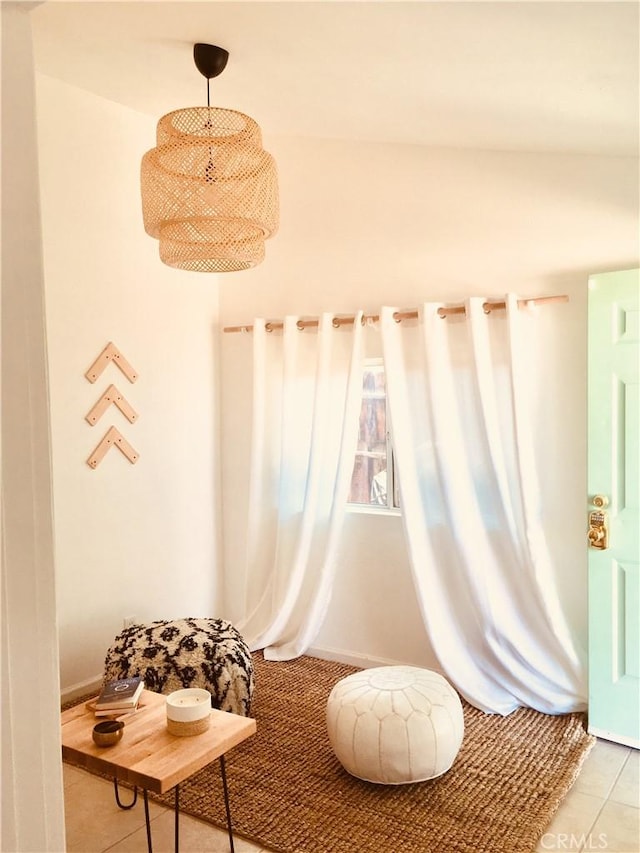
{"points": [[614, 508]]}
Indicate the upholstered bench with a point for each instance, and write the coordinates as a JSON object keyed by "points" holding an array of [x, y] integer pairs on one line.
{"points": [[395, 724], [207, 653]]}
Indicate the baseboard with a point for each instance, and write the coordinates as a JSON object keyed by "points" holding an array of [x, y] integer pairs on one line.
{"points": [[82, 688], [607, 735], [358, 659], [362, 661]]}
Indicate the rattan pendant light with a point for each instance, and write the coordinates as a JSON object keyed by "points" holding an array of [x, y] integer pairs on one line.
{"points": [[209, 189]]}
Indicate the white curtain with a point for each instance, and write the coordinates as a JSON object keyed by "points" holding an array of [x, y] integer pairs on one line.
{"points": [[458, 394], [306, 401]]}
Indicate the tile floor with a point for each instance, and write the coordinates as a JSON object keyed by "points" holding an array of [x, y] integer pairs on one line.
{"points": [[601, 812]]}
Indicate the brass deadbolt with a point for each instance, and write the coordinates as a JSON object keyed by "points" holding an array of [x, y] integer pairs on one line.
{"points": [[598, 532]]}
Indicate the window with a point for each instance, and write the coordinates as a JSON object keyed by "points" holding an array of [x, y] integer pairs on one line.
{"points": [[373, 481]]}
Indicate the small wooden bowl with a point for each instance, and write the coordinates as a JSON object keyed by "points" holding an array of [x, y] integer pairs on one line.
{"points": [[108, 732]]}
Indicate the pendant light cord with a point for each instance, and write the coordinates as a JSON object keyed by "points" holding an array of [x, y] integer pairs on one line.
{"points": [[210, 169]]}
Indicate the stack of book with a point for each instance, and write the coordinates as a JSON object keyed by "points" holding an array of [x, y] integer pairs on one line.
{"points": [[119, 697]]}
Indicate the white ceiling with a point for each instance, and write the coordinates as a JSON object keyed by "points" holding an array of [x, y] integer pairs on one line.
{"points": [[536, 76]]}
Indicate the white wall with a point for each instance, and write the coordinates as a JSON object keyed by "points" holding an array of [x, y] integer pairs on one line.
{"points": [[32, 811], [365, 225], [362, 225], [131, 540]]}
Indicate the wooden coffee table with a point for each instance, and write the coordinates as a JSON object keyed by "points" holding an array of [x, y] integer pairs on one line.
{"points": [[148, 756]]}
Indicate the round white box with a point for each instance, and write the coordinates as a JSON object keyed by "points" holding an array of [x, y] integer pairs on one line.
{"points": [[188, 705]]}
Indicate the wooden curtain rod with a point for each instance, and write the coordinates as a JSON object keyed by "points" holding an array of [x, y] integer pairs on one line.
{"points": [[399, 316]]}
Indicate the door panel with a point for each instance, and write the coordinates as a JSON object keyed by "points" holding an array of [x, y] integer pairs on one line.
{"points": [[614, 473]]}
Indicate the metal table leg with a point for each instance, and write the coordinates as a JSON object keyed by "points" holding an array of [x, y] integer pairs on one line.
{"points": [[130, 805], [146, 810], [147, 821], [121, 805], [177, 819], [226, 802]]}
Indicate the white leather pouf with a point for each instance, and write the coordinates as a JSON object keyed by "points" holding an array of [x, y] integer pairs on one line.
{"points": [[395, 724]]}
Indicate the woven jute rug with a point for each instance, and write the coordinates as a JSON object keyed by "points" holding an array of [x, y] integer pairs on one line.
{"points": [[289, 793]]}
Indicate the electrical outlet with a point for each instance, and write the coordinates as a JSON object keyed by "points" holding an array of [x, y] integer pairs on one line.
{"points": [[128, 621]]}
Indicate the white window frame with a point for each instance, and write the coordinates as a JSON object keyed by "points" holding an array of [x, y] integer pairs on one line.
{"points": [[393, 494]]}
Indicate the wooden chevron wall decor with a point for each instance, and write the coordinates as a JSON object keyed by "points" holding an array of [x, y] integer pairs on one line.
{"points": [[112, 396]]}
